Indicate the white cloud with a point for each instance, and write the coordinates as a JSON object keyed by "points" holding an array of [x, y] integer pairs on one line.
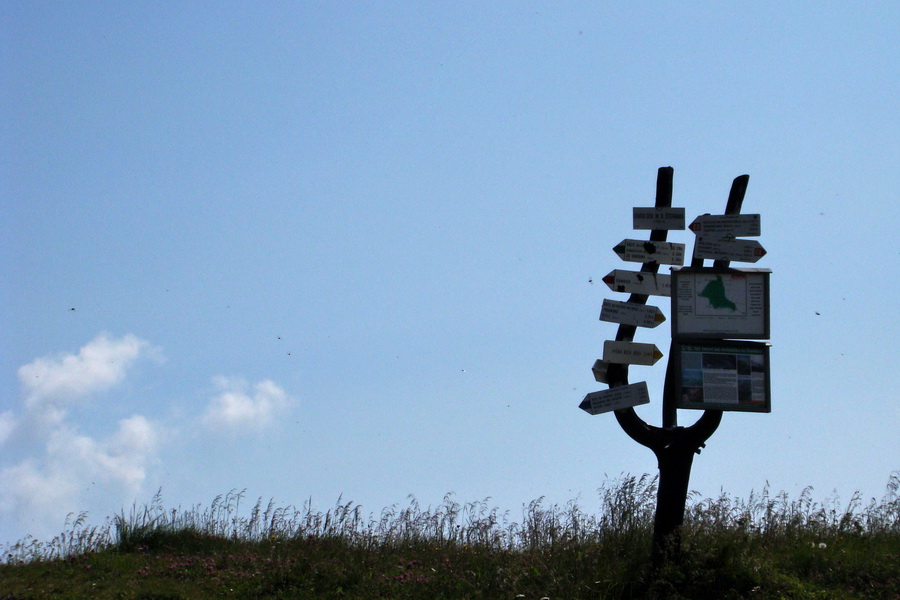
{"points": [[38, 497], [42, 489], [53, 384], [237, 408], [120, 460], [60, 470]]}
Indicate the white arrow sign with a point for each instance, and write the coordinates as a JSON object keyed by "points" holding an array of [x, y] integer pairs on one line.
{"points": [[616, 398], [600, 370], [731, 225], [630, 353], [658, 218], [668, 253], [635, 282], [629, 313], [723, 248]]}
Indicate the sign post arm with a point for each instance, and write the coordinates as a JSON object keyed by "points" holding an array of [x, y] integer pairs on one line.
{"points": [[676, 455], [701, 431], [633, 425]]}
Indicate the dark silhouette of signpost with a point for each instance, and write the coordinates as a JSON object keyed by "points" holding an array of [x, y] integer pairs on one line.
{"points": [[673, 445]]}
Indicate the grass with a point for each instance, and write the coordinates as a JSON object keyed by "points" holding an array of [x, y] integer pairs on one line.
{"points": [[767, 546]]}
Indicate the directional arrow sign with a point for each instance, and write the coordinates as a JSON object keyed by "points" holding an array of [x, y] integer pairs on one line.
{"points": [[658, 218], [629, 313], [616, 398], [635, 282], [630, 353], [731, 225], [723, 248], [668, 253], [600, 369]]}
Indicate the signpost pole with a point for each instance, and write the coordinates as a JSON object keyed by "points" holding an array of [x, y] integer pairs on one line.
{"points": [[673, 446]]}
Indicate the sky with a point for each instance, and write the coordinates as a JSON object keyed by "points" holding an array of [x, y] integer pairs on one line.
{"points": [[322, 251]]}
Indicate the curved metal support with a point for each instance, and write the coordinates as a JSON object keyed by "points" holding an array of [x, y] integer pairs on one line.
{"points": [[702, 430], [673, 446], [617, 375], [638, 430]]}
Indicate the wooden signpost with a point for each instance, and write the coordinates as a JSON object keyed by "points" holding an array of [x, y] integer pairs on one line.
{"points": [[725, 248], [658, 218], [650, 252], [637, 282], [726, 225], [711, 367], [629, 313], [600, 371], [625, 396], [630, 353]]}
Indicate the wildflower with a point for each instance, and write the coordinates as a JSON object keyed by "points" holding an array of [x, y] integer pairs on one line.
{"points": [[822, 545]]}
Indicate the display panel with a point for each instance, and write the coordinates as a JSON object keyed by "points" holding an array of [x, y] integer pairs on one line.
{"points": [[712, 303], [726, 375]]}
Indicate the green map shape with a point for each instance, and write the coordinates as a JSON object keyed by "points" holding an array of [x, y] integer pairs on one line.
{"points": [[715, 293]]}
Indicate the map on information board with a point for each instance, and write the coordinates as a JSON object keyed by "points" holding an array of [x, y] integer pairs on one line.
{"points": [[718, 296], [720, 303]]}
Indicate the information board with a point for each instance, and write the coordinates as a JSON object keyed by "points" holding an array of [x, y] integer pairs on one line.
{"points": [[711, 303], [722, 375]]}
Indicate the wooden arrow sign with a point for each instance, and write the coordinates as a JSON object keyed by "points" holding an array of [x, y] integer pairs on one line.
{"points": [[668, 253], [616, 398], [724, 248], [636, 282], [658, 218], [631, 353], [628, 313], [727, 225]]}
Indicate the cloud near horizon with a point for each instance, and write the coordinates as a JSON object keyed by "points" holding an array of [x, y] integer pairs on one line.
{"points": [[39, 489]]}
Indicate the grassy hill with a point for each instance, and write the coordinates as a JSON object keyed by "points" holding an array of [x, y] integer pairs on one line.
{"points": [[767, 546]]}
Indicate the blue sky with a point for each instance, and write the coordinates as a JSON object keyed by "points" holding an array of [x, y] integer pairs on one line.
{"points": [[319, 249]]}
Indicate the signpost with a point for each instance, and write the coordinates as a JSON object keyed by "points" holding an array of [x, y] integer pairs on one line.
{"points": [[601, 371], [625, 396], [631, 353], [711, 366], [658, 218], [724, 248], [637, 282], [726, 225], [629, 313], [650, 252]]}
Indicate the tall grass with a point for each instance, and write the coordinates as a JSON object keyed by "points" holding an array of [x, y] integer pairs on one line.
{"points": [[777, 515], [624, 520], [765, 546]]}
